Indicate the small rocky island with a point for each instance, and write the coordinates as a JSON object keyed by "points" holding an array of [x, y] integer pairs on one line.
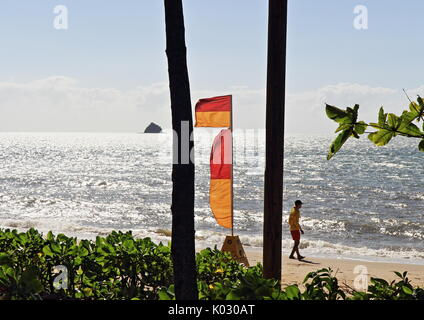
{"points": [[153, 128]]}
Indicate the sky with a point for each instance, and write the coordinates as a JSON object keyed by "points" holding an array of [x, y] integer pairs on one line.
{"points": [[107, 71]]}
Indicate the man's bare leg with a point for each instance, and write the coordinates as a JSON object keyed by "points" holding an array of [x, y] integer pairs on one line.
{"points": [[295, 249], [299, 257]]}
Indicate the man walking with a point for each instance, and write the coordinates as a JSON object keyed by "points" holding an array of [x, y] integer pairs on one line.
{"points": [[295, 229]]}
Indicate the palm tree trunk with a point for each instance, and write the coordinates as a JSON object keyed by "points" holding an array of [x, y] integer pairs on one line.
{"points": [[183, 245], [275, 103]]}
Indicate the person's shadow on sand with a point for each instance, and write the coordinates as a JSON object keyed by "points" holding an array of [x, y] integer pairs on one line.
{"points": [[307, 261]]}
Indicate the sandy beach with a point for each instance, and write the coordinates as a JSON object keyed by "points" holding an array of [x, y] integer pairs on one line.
{"points": [[294, 271]]}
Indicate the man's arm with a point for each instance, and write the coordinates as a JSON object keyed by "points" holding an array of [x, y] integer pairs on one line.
{"points": [[300, 228]]}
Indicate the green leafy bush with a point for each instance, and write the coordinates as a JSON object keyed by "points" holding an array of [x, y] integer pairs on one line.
{"points": [[116, 267], [120, 266], [214, 266], [380, 289], [322, 285]]}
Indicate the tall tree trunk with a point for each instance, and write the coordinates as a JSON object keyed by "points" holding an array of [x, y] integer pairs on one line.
{"points": [[183, 245], [275, 103]]}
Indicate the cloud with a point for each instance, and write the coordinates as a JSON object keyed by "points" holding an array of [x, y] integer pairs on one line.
{"points": [[59, 103], [305, 111]]}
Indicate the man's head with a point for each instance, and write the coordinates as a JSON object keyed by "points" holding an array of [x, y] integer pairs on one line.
{"points": [[298, 204]]}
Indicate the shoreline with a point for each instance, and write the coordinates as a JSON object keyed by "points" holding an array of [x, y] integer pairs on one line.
{"points": [[346, 270], [346, 256], [294, 271]]}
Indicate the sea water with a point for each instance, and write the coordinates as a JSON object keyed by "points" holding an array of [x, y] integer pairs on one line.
{"points": [[365, 203]]}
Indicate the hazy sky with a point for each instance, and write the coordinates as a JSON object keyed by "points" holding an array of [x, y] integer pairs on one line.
{"points": [[108, 70]]}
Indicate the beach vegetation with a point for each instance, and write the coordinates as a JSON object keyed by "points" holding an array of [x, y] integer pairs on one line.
{"points": [[387, 127], [122, 267]]}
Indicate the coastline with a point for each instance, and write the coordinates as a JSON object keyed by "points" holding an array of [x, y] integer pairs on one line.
{"points": [[294, 271]]}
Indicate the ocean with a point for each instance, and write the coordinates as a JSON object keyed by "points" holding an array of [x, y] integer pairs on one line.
{"points": [[366, 203]]}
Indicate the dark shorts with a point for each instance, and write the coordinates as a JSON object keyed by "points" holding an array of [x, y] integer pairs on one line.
{"points": [[295, 234]]}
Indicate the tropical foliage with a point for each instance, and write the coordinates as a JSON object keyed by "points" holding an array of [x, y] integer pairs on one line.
{"points": [[115, 267], [388, 126], [120, 267]]}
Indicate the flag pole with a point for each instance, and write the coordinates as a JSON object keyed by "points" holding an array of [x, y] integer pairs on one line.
{"points": [[232, 170]]}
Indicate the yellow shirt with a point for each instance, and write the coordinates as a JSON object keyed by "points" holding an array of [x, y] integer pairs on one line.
{"points": [[294, 219]]}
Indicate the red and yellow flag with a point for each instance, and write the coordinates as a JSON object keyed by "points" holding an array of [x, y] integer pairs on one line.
{"points": [[214, 112], [221, 165]]}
